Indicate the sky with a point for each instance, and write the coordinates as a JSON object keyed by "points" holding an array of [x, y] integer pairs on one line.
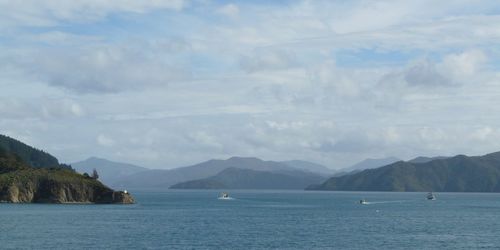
{"points": [[164, 84]]}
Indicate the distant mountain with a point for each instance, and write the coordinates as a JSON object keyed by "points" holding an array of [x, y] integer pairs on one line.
{"points": [[167, 178], [235, 178], [366, 164], [455, 174], [309, 166], [109, 171], [33, 157], [207, 183], [423, 159]]}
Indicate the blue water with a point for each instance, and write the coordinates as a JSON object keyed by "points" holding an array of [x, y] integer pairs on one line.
{"points": [[259, 220]]}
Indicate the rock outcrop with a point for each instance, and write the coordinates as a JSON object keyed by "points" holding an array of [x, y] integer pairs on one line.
{"points": [[116, 197], [39, 189]]}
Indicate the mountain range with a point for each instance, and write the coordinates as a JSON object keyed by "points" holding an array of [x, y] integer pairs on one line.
{"points": [[109, 172], [210, 174], [28, 174], [237, 178], [310, 167], [424, 159], [366, 164], [450, 174], [210, 169]]}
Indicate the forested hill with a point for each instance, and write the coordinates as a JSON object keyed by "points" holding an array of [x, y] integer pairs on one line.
{"points": [[20, 182], [34, 157], [455, 174]]}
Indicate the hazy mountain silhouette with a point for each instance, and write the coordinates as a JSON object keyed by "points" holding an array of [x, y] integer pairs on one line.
{"points": [[235, 178], [167, 178], [109, 171], [366, 164]]}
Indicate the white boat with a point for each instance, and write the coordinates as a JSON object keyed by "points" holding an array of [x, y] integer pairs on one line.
{"points": [[363, 202], [224, 196], [431, 196]]}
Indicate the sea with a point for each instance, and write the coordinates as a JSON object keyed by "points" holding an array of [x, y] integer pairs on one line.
{"points": [[259, 219]]}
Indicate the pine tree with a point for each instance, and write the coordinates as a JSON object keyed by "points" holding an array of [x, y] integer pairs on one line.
{"points": [[95, 175]]}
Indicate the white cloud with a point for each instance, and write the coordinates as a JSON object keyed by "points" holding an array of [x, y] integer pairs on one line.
{"points": [[340, 83], [464, 64], [453, 69], [328, 81], [268, 60], [230, 10], [104, 140], [483, 134], [102, 68], [371, 15], [55, 12], [40, 109], [203, 139], [55, 108]]}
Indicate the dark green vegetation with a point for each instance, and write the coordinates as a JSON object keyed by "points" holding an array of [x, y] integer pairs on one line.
{"points": [[236, 178], [31, 156], [32, 180], [455, 174]]}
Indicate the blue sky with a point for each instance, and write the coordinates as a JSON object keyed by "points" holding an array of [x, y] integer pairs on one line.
{"points": [[170, 83]]}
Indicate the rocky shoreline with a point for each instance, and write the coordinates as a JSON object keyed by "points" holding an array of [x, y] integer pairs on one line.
{"points": [[50, 191]]}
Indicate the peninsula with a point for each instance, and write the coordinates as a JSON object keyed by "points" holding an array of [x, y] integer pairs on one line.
{"points": [[29, 175]]}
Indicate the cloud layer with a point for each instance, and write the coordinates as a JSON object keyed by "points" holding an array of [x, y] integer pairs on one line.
{"points": [[170, 83]]}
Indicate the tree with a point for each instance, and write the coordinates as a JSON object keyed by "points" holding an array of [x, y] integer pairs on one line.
{"points": [[95, 175]]}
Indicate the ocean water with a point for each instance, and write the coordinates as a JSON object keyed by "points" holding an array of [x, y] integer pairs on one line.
{"points": [[259, 220]]}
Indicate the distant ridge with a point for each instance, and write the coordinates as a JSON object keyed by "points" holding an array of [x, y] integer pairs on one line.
{"points": [[109, 171], [366, 164], [423, 159], [454, 174], [167, 178], [309, 166], [235, 178]]}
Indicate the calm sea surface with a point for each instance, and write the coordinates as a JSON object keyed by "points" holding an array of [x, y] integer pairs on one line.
{"points": [[259, 220]]}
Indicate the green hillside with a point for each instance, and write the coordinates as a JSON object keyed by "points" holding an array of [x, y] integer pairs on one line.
{"points": [[30, 155], [456, 174]]}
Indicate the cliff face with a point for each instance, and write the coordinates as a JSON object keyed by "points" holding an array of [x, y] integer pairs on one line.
{"points": [[40, 189]]}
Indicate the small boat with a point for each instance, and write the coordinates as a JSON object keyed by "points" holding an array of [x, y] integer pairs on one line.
{"points": [[363, 202], [431, 196], [224, 196]]}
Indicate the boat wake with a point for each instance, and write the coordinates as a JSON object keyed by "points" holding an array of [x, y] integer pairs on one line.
{"points": [[383, 202], [225, 198]]}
